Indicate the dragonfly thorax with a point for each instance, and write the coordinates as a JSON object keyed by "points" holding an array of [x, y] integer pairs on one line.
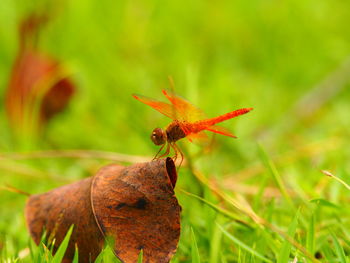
{"points": [[174, 132]]}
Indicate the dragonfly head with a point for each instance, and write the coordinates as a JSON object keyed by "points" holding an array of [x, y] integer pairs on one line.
{"points": [[158, 136]]}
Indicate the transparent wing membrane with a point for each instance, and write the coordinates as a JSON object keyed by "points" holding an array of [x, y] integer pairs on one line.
{"points": [[162, 107], [200, 137], [184, 110]]}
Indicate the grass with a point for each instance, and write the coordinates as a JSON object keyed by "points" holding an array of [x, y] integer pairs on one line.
{"points": [[260, 198]]}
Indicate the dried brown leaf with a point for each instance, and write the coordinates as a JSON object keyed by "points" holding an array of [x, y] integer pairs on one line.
{"points": [[135, 205]]}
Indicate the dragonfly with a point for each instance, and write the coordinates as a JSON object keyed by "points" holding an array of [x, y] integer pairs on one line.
{"points": [[187, 121]]}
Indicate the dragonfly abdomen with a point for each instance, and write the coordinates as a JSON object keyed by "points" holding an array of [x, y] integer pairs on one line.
{"points": [[224, 117]]}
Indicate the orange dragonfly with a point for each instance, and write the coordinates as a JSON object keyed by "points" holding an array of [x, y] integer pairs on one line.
{"points": [[188, 121]]}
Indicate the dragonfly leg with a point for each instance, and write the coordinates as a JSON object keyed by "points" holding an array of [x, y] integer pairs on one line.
{"points": [[178, 150], [173, 145], [182, 157], [160, 149], [166, 151]]}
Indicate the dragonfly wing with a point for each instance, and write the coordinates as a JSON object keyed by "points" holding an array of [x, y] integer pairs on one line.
{"points": [[199, 137], [220, 130], [162, 107], [183, 109]]}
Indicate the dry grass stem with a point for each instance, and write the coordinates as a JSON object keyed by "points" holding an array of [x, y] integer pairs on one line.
{"points": [[336, 178], [76, 154]]}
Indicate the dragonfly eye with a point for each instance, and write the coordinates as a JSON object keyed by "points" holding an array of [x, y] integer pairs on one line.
{"points": [[158, 136]]}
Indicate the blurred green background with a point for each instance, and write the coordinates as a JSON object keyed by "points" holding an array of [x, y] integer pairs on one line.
{"points": [[290, 60]]}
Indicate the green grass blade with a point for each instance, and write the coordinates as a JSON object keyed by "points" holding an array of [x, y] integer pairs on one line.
{"points": [[194, 250], [31, 250], [140, 258], [63, 247], [338, 249], [47, 254], [215, 245], [244, 246], [276, 175], [286, 247], [99, 258], [310, 238], [107, 253], [324, 202], [76, 255], [218, 209]]}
